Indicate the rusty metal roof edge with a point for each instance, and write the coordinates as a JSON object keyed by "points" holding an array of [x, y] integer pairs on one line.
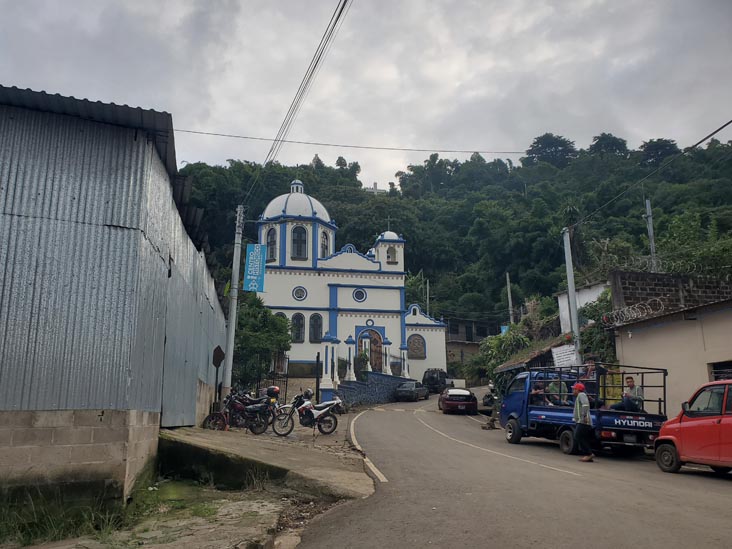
{"points": [[158, 123]]}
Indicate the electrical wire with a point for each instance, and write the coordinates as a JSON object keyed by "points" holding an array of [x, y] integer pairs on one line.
{"points": [[668, 161], [326, 40], [345, 146]]}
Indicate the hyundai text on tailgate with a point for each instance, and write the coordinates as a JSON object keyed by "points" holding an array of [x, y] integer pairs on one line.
{"points": [[628, 405]]}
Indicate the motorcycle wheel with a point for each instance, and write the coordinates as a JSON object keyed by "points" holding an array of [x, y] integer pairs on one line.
{"points": [[259, 424], [283, 424], [328, 424], [215, 421]]}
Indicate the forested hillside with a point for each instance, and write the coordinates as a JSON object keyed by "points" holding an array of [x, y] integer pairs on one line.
{"points": [[468, 223]]}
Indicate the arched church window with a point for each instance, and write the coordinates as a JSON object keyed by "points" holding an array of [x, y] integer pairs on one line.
{"points": [[281, 315], [271, 245], [316, 328], [391, 255], [299, 243], [297, 328], [324, 245], [416, 347]]}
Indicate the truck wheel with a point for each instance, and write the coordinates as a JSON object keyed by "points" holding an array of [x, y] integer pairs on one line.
{"points": [[566, 442], [721, 470], [667, 458], [513, 431]]}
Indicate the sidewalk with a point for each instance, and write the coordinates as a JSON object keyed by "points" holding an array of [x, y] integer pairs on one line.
{"points": [[324, 465], [310, 474]]}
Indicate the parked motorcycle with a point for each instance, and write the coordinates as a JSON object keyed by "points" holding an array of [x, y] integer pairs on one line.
{"points": [[312, 415], [245, 412]]}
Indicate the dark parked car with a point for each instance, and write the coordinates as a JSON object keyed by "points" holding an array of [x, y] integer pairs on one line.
{"points": [[435, 380], [458, 400], [412, 390]]}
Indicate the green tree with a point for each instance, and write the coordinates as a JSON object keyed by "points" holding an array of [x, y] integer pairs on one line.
{"points": [[552, 149], [656, 151], [496, 350], [260, 337], [608, 144], [595, 337]]}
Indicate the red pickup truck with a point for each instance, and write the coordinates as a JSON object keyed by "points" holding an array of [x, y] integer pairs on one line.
{"points": [[701, 433]]}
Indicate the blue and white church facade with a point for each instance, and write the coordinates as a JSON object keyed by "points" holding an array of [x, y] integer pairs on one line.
{"points": [[342, 303]]}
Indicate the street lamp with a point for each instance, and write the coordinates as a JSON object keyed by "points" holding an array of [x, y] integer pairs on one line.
{"points": [[325, 380], [350, 376], [334, 360], [386, 368]]}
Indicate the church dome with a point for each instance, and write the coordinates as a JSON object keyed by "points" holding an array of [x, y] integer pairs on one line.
{"points": [[389, 235], [295, 204]]}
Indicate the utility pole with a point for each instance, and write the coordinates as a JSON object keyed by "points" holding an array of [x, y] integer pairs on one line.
{"points": [[651, 239], [233, 297], [428, 297], [510, 300], [571, 294]]}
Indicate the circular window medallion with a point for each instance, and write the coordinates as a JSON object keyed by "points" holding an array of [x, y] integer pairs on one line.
{"points": [[359, 294], [369, 322], [299, 293]]}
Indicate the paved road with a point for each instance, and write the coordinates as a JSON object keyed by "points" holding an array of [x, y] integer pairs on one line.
{"points": [[451, 484]]}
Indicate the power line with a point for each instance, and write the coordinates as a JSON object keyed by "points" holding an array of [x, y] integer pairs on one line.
{"points": [[331, 31], [670, 160], [344, 146]]}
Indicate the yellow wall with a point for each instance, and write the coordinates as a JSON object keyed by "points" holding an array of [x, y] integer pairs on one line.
{"points": [[684, 344]]}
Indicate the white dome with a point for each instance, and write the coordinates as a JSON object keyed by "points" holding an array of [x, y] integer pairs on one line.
{"points": [[389, 235], [296, 203]]}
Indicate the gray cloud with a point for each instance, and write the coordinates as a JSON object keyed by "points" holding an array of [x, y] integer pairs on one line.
{"points": [[451, 74]]}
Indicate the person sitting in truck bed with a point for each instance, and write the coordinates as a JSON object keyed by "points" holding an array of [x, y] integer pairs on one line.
{"points": [[537, 397], [592, 377], [557, 393], [632, 397]]}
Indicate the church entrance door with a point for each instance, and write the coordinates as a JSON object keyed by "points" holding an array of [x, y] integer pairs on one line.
{"points": [[376, 356]]}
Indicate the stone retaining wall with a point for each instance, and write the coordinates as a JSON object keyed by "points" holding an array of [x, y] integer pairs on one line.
{"points": [[378, 389]]}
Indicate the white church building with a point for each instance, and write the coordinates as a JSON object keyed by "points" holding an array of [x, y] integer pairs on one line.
{"points": [[342, 303]]}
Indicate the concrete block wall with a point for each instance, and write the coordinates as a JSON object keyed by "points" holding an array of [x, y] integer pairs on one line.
{"points": [[97, 453], [676, 291]]}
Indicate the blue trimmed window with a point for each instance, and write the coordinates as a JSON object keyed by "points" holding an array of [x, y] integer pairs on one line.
{"points": [[391, 255], [271, 245], [316, 328], [299, 243], [416, 347], [299, 293], [297, 328], [324, 245]]}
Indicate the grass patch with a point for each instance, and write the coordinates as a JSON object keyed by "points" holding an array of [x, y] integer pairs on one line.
{"points": [[45, 516], [203, 510]]}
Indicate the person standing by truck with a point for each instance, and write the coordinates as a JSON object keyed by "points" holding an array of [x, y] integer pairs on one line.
{"points": [[583, 432]]}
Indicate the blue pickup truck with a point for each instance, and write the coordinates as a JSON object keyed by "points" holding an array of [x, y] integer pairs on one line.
{"points": [[529, 410]]}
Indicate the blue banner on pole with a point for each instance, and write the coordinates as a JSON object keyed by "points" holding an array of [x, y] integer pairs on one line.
{"points": [[254, 268]]}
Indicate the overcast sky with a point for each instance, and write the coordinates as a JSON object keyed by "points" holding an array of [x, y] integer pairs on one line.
{"points": [[482, 75]]}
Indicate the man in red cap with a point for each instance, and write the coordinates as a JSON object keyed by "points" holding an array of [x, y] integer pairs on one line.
{"points": [[583, 432]]}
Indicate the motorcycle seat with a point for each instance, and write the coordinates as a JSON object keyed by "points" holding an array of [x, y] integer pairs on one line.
{"points": [[323, 406], [251, 401], [256, 407]]}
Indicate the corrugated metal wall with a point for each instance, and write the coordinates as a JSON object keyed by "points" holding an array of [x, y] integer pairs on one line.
{"points": [[88, 234]]}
